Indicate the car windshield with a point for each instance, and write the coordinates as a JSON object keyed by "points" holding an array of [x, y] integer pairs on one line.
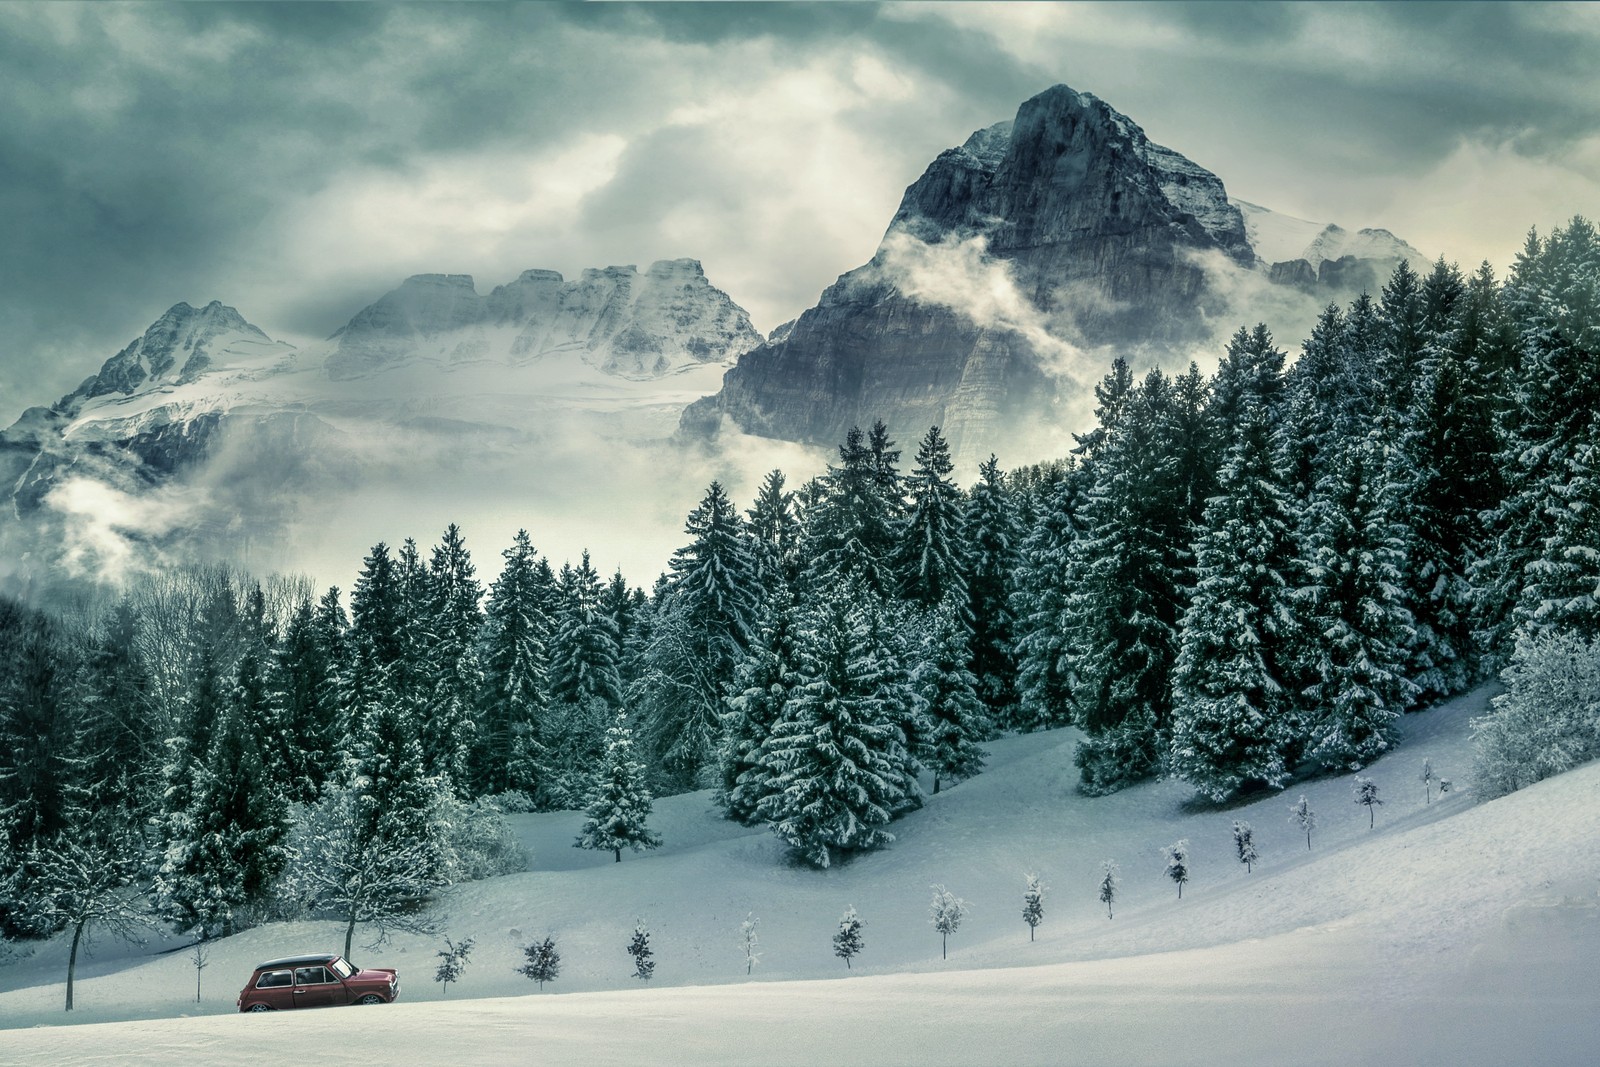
{"points": [[341, 968]]}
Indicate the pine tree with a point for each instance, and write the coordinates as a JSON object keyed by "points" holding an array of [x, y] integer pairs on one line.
{"points": [[452, 622], [1232, 718], [838, 759], [644, 967], [304, 691], [452, 961], [955, 717], [509, 752], [931, 556], [1365, 792], [585, 647], [619, 801], [847, 940], [772, 532], [1178, 864], [1108, 885], [945, 912], [989, 527], [1244, 845], [41, 728], [1033, 903], [544, 962], [848, 534], [1037, 602], [708, 620], [756, 699], [1125, 573], [1302, 816]]}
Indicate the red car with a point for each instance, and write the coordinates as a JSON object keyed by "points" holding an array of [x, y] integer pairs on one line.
{"points": [[316, 981]]}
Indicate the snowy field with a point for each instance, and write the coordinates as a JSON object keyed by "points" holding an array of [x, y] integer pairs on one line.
{"points": [[1452, 933]]}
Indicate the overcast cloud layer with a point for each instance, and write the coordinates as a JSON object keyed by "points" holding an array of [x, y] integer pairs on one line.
{"points": [[298, 160]]}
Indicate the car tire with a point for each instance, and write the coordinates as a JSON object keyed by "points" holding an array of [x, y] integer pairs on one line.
{"points": [[371, 998], [260, 1007]]}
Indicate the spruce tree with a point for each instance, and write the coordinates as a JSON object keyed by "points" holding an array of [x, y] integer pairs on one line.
{"points": [[1108, 885], [1244, 844], [848, 534], [1366, 794], [509, 752], [1033, 903], [956, 719], [1232, 720], [755, 702], [838, 758], [1303, 817], [585, 646], [772, 532], [644, 966], [1038, 599], [543, 961], [304, 682], [1178, 864], [452, 621], [847, 940], [619, 801], [931, 556], [945, 912], [990, 529]]}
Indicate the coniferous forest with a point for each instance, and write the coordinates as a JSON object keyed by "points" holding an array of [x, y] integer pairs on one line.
{"points": [[1236, 581]]}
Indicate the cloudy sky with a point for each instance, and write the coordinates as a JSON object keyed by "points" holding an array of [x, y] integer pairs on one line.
{"points": [[297, 160]]}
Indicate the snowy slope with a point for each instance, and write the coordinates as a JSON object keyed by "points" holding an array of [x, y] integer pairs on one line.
{"points": [[1280, 238], [1453, 932]]}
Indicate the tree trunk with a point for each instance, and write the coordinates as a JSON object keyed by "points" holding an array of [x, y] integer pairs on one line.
{"points": [[944, 946], [350, 933], [1030, 932], [936, 782], [72, 959], [618, 853]]}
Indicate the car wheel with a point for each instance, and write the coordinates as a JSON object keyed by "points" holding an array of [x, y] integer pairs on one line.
{"points": [[370, 998], [259, 1007]]}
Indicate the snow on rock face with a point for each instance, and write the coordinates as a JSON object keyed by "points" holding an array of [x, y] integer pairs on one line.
{"points": [[627, 324], [178, 347], [1280, 239]]}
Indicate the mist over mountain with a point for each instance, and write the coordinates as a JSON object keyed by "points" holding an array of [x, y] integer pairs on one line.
{"points": [[1015, 269], [1018, 265]]}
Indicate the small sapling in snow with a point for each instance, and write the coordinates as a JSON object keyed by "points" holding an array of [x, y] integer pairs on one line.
{"points": [[1178, 864], [1428, 778], [1366, 792], [1302, 816], [1244, 845], [452, 961], [1033, 903], [639, 948], [544, 962], [1108, 885], [748, 941], [945, 912], [848, 940]]}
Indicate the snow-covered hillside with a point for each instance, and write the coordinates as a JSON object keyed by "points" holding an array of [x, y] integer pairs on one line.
{"points": [[1454, 932], [1280, 238]]}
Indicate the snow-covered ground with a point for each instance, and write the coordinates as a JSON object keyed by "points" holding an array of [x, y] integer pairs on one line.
{"points": [[1453, 932]]}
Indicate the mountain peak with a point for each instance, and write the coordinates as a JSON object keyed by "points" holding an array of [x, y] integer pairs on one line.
{"points": [[176, 347]]}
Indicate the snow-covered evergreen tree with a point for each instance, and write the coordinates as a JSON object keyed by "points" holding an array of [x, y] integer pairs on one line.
{"points": [[757, 696], [1365, 792], [848, 940], [585, 649], [990, 530], [838, 759], [543, 961], [1033, 903], [772, 531], [945, 912], [1037, 601], [1547, 721], [1244, 844], [509, 750], [707, 620], [619, 804], [1108, 885], [644, 966], [930, 560], [1178, 864], [452, 623], [304, 681], [1232, 718], [955, 718], [849, 531]]}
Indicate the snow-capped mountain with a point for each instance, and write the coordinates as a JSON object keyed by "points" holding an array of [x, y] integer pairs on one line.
{"points": [[206, 431], [1016, 266]]}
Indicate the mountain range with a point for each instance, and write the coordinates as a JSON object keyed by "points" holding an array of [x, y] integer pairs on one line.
{"points": [[1014, 268]]}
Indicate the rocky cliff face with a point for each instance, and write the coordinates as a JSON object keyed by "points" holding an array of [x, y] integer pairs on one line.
{"points": [[632, 325], [1012, 270]]}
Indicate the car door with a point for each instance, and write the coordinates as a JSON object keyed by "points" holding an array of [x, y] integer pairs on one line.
{"points": [[314, 987], [276, 989]]}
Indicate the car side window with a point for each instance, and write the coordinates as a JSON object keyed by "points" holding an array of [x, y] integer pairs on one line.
{"points": [[271, 979], [310, 976]]}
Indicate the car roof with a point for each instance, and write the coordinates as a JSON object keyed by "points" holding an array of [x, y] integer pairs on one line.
{"points": [[290, 961]]}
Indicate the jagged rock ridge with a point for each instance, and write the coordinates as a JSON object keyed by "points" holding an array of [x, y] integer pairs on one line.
{"points": [[1014, 266]]}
